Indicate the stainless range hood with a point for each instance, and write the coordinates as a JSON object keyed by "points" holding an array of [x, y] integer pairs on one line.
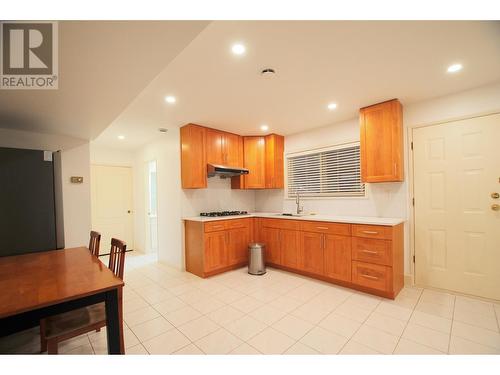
{"points": [[224, 171]]}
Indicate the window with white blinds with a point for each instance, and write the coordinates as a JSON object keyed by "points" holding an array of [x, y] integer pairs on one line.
{"points": [[333, 172]]}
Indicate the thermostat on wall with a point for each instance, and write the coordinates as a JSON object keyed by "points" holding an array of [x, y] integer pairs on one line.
{"points": [[76, 180]]}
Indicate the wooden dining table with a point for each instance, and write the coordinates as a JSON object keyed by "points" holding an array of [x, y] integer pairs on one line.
{"points": [[37, 285]]}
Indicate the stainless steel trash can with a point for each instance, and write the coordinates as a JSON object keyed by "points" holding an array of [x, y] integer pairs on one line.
{"points": [[256, 259]]}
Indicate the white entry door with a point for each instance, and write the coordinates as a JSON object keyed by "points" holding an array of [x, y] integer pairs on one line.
{"points": [[111, 197], [457, 225]]}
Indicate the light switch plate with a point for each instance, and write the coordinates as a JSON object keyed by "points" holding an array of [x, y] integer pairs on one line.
{"points": [[76, 180]]}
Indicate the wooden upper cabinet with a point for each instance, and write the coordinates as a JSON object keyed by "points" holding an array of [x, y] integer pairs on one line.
{"points": [[193, 162], [275, 145], [233, 150], [254, 149], [262, 156], [214, 147], [381, 140], [224, 148]]}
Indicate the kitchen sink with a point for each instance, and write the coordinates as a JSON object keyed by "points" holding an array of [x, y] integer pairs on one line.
{"points": [[293, 215]]}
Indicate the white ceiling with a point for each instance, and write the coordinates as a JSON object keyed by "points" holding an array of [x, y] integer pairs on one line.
{"points": [[351, 63], [103, 66]]}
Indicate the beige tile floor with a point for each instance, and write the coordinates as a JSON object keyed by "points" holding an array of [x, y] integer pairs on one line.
{"points": [[171, 312]]}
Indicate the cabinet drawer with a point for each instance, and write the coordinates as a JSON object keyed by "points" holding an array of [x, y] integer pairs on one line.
{"points": [[213, 226], [372, 276], [326, 227], [237, 223], [280, 223], [372, 250], [372, 231]]}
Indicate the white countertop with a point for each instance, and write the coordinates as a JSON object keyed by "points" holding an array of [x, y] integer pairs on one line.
{"points": [[308, 217]]}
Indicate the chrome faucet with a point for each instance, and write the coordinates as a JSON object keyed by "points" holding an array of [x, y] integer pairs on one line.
{"points": [[300, 209]]}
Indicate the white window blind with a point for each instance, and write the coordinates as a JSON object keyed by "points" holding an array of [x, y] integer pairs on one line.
{"points": [[333, 172]]}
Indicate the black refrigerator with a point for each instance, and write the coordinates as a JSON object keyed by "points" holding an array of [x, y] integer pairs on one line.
{"points": [[31, 212]]}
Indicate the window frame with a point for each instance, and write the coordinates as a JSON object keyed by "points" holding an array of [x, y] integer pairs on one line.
{"points": [[315, 151]]}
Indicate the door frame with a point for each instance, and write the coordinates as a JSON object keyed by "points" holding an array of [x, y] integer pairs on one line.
{"points": [[129, 248], [147, 231], [411, 179]]}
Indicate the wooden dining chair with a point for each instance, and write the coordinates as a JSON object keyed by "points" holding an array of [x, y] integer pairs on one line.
{"points": [[62, 327], [95, 242]]}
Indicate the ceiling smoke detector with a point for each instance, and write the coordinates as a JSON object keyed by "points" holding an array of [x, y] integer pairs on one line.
{"points": [[162, 130], [268, 73]]}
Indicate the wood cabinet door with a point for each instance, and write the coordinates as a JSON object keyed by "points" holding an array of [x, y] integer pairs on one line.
{"points": [[254, 161], [271, 238], [381, 141], [238, 240], [215, 250], [337, 253], [274, 161], [289, 241], [233, 150], [214, 148], [193, 162], [311, 252]]}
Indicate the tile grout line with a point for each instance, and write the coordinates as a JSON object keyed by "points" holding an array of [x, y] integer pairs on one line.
{"points": [[452, 323], [361, 325], [408, 321]]}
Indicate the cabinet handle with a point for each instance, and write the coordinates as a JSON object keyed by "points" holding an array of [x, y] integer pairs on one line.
{"points": [[369, 232], [322, 228], [369, 276], [369, 251]]}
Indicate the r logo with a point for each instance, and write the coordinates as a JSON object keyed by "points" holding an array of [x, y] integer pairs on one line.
{"points": [[27, 48]]}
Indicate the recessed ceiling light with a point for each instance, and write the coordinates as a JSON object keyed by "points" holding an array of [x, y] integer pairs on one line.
{"points": [[454, 68], [162, 130], [264, 127], [332, 106], [238, 49], [121, 137], [170, 99]]}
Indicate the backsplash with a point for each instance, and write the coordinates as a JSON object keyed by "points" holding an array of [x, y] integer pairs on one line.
{"points": [[218, 196], [382, 200]]}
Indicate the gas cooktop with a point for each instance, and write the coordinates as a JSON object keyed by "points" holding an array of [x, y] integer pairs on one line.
{"points": [[223, 213]]}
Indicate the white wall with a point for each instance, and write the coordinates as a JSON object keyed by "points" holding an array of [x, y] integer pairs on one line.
{"points": [[175, 203], [217, 197], [107, 156], [76, 197], [388, 199]]}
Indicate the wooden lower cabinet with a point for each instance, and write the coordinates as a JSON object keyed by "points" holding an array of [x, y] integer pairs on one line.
{"points": [[311, 252], [216, 251], [337, 257], [368, 258], [238, 240], [289, 242], [271, 238], [217, 246]]}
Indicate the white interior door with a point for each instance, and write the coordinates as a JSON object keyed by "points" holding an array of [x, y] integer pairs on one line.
{"points": [[457, 229], [111, 199]]}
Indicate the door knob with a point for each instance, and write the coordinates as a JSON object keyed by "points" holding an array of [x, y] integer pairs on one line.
{"points": [[495, 195], [495, 207]]}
